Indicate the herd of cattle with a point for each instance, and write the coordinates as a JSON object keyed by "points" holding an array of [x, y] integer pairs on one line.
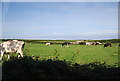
{"points": [[15, 46], [66, 44]]}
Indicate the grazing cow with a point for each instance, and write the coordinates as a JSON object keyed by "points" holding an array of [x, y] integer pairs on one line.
{"points": [[93, 43], [47, 44], [66, 44], [107, 44], [97, 43], [82, 43], [13, 46]]}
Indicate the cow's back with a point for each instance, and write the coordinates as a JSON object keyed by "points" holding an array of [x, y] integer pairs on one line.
{"points": [[12, 46]]}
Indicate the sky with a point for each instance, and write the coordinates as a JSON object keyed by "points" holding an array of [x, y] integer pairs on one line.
{"points": [[60, 0], [60, 20]]}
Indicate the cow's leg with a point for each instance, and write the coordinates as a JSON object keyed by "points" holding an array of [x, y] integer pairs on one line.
{"points": [[1, 54], [21, 54], [67, 45], [8, 56], [18, 55]]}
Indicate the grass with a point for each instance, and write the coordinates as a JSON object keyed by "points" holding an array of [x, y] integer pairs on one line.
{"points": [[76, 53]]}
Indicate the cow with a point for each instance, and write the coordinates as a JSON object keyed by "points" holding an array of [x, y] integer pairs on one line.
{"points": [[93, 43], [88, 43], [97, 43], [47, 44], [82, 43], [66, 44], [107, 44], [12, 46]]}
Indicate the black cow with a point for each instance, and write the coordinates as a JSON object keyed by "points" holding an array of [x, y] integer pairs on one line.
{"points": [[66, 44], [107, 44]]}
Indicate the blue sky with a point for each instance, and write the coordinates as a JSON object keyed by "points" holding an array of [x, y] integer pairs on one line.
{"points": [[60, 20]]}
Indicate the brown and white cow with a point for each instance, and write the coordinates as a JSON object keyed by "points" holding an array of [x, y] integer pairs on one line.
{"points": [[13, 46]]}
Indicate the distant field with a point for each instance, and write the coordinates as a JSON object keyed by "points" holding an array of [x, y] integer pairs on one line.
{"points": [[75, 53]]}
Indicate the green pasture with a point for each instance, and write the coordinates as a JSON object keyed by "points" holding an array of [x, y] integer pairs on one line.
{"points": [[75, 53]]}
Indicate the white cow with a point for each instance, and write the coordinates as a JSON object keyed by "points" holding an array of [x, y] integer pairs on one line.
{"points": [[13, 46], [88, 43], [99, 43], [47, 44]]}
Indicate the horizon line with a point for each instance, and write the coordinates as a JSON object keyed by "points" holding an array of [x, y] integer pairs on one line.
{"points": [[53, 39]]}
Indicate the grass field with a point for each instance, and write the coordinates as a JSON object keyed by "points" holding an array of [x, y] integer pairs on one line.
{"points": [[81, 54], [75, 53]]}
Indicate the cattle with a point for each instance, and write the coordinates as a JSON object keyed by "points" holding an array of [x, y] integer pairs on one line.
{"points": [[93, 43], [107, 44], [82, 43], [47, 44], [88, 43], [12, 46], [66, 44], [97, 43]]}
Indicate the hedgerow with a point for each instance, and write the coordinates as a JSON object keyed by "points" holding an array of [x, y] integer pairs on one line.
{"points": [[55, 69]]}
